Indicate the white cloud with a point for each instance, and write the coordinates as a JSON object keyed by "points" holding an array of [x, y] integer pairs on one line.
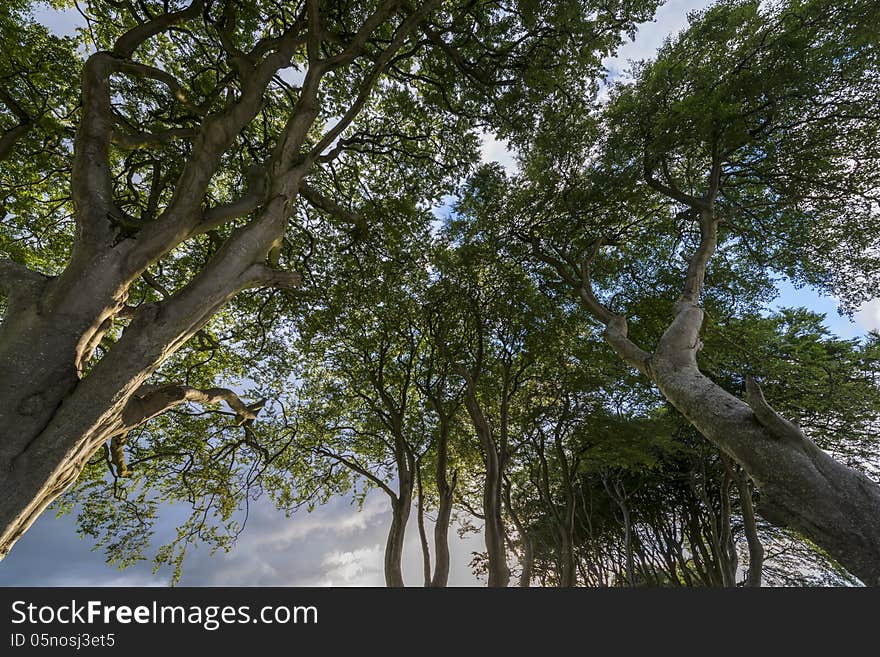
{"points": [[494, 150], [869, 315], [303, 524], [670, 19], [359, 567]]}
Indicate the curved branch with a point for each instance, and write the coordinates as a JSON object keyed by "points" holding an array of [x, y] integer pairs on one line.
{"points": [[328, 205], [263, 276], [11, 137], [353, 465], [20, 284], [256, 194], [174, 86], [150, 401], [770, 419], [616, 328], [131, 40]]}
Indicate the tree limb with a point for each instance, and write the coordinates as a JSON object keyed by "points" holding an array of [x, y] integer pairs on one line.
{"points": [[139, 139], [131, 40], [21, 285], [262, 276], [328, 205], [150, 401], [616, 329], [772, 421], [353, 465]]}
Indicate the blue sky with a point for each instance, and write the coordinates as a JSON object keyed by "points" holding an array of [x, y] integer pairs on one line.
{"points": [[337, 544]]}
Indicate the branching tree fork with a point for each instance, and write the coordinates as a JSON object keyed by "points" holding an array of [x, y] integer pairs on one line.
{"points": [[54, 416]]}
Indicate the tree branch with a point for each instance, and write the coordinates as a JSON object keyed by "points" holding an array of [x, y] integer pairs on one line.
{"points": [[131, 40], [406, 27], [253, 199], [616, 328], [11, 136], [671, 192], [260, 275], [137, 140], [328, 205], [353, 465], [150, 401], [770, 419], [20, 284]]}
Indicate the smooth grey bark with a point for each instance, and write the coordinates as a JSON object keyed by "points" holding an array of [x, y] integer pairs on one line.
{"points": [[423, 534], [567, 526], [53, 416], [527, 543]]}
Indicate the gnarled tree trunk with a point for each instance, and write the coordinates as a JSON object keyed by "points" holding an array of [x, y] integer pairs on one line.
{"points": [[56, 408], [801, 486]]}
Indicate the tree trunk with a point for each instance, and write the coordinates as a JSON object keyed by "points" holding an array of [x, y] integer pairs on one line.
{"points": [[444, 510], [527, 561], [423, 535], [802, 487], [568, 567], [756, 550], [499, 573], [51, 420], [401, 505], [394, 545]]}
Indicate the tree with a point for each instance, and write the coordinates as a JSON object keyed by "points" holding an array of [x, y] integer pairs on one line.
{"points": [[203, 129], [751, 131], [362, 360]]}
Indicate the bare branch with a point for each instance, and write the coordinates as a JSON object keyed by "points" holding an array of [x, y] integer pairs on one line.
{"points": [[131, 40], [457, 58], [173, 84], [353, 465], [11, 136], [150, 401], [671, 192], [696, 274], [219, 215], [772, 421], [262, 276], [321, 202], [616, 328], [138, 140]]}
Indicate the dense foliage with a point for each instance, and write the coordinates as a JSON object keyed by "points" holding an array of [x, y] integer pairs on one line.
{"points": [[237, 202]]}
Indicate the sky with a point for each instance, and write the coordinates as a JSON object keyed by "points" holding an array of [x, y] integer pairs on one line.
{"points": [[337, 544]]}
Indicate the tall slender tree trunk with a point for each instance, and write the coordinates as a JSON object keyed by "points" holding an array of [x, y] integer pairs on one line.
{"points": [[527, 543], [401, 505], [527, 561], [423, 535], [446, 491], [750, 525], [394, 545], [498, 571], [730, 561]]}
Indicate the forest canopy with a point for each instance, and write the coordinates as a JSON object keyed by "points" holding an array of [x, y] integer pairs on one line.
{"points": [[223, 275]]}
